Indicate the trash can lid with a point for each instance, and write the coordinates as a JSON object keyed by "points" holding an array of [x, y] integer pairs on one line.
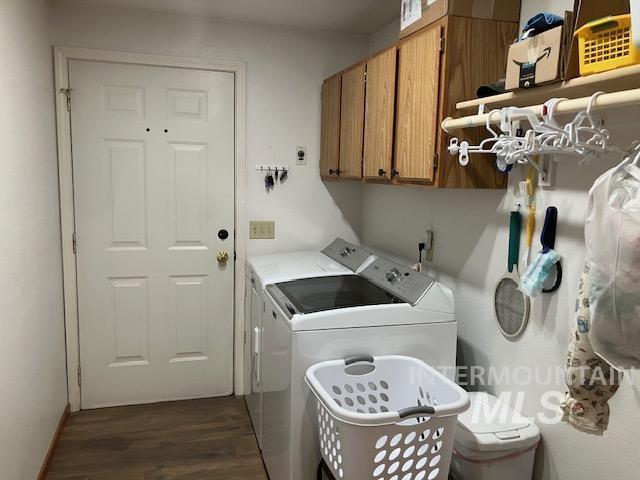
{"points": [[490, 424]]}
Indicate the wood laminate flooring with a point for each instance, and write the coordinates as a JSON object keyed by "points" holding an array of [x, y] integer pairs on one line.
{"points": [[188, 440]]}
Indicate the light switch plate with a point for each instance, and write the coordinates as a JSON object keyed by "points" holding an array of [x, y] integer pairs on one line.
{"points": [[262, 229]]}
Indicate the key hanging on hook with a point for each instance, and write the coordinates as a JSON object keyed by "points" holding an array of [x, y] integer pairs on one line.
{"points": [[276, 175], [284, 175], [268, 181]]}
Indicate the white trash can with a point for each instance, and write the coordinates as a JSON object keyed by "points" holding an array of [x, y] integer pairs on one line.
{"points": [[493, 442]]}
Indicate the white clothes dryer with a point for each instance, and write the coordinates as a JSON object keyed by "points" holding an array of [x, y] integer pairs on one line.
{"points": [[338, 258]]}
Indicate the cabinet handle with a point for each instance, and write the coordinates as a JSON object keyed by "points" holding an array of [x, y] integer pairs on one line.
{"points": [[394, 172], [381, 173], [332, 171]]}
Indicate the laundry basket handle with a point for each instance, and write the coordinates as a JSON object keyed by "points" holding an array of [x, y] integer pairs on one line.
{"points": [[418, 410], [358, 358]]}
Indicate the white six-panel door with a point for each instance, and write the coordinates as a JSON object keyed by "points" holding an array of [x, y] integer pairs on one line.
{"points": [[153, 163]]}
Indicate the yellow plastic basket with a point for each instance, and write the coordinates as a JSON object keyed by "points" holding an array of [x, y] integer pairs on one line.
{"points": [[605, 44]]}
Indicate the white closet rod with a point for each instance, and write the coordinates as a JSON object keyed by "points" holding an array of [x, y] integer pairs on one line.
{"points": [[606, 100]]}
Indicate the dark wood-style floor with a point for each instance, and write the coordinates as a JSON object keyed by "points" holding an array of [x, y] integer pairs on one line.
{"points": [[188, 440]]}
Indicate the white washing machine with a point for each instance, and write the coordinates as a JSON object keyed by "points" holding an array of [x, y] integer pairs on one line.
{"points": [[338, 258], [385, 309]]}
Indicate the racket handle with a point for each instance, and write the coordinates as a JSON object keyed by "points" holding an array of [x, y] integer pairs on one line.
{"points": [[515, 225], [531, 226], [548, 237]]}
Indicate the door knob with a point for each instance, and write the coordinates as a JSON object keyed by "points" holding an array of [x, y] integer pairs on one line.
{"points": [[223, 257]]}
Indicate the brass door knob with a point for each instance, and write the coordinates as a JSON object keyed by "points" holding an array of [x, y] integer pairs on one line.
{"points": [[223, 257]]}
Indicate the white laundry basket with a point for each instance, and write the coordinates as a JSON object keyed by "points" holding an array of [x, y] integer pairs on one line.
{"points": [[388, 417]]}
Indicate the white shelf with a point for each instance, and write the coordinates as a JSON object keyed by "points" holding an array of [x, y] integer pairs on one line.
{"points": [[611, 81]]}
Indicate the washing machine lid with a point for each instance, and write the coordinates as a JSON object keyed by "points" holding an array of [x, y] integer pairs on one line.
{"points": [[268, 269], [489, 414], [318, 294]]}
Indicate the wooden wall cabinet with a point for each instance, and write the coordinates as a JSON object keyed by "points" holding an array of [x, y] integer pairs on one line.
{"points": [[330, 128], [417, 106], [352, 122], [389, 128], [475, 53], [379, 119]]}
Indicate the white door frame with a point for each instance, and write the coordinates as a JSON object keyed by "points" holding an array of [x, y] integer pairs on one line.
{"points": [[62, 56]]}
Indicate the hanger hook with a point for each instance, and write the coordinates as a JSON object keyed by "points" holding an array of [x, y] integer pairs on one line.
{"points": [[488, 122], [592, 101], [549, 110]]}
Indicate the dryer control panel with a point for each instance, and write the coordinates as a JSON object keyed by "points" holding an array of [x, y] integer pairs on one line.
{"points": [[399, 280], [347, 254]]}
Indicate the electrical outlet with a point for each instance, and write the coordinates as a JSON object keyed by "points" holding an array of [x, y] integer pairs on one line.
{"points": [[262, 229], [430, 245], [301, 155]]}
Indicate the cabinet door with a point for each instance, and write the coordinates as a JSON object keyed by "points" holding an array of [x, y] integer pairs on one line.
{"points": [[330, 129], [417, 106], [475, 54], [379, 115], [352, 122]]}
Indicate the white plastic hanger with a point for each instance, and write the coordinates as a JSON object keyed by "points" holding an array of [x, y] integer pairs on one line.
{"points": [[582, 136]]}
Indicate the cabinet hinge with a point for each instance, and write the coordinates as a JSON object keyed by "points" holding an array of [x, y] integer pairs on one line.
{"points": [[79, 375], [67, 93], [442, 44], [75, 243]]}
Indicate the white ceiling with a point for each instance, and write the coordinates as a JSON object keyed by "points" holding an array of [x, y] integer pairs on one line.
{"points": [[348, 16]]}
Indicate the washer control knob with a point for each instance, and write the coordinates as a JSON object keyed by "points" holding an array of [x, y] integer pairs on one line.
{"points": [[393, 275]]}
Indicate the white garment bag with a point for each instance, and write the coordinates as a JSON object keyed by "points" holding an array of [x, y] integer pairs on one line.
{"points": [[613, 252]]}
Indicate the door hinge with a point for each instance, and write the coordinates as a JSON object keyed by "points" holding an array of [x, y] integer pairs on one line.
{"points": [[75, 243], [79, 375], [67, 93], [235, 256], [442, 44]]}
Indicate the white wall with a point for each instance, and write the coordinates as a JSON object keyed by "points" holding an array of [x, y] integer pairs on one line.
{"points": [[285, 69], [471, 229], [384, 37], [33, 391]]}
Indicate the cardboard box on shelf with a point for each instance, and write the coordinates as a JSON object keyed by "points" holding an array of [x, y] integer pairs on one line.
{"points": [[535, 60], [416, 14]]}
